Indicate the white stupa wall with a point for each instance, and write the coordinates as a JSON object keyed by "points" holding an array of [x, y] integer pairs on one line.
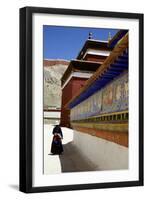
{"points": [[105, 154]]}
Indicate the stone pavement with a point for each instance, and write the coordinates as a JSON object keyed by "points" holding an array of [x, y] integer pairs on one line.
{"points": [[70, 161]]}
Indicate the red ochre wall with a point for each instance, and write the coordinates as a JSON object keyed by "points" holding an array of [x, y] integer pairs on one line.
{"points": [[95, 58], [68, 92]]}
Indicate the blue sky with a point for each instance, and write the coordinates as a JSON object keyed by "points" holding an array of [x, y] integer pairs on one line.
{"points": [[66, 42]]}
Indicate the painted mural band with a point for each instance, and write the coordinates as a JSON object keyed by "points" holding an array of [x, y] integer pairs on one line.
{"points": [[110, 99]]}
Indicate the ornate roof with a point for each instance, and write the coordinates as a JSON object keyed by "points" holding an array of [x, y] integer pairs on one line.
{"points": [[113, 66], [79, 65]]}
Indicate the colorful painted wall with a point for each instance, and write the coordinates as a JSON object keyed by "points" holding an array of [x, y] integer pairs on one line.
{"points": [[112, 98]]}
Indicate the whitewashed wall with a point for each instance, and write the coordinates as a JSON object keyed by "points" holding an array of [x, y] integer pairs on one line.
{"points": [[52, 114], [106, 155]]}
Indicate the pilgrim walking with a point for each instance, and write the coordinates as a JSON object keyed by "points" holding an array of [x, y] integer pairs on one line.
{"points": [[56, 146]]}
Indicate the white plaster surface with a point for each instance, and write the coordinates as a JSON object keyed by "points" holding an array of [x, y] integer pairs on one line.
{"points": [[106, 155], [97, 52], [52, 114]]}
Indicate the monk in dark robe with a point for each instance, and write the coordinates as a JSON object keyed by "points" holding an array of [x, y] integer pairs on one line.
{"points": [[56, 147]]}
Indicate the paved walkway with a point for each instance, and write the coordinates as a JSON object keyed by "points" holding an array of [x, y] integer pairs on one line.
{"points": [[70, 161]]}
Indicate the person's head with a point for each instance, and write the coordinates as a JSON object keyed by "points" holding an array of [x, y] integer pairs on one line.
{"points": [[57, 126]]}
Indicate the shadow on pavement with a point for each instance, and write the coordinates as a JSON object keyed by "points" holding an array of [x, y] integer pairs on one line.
{"points": [[71, 160]]}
